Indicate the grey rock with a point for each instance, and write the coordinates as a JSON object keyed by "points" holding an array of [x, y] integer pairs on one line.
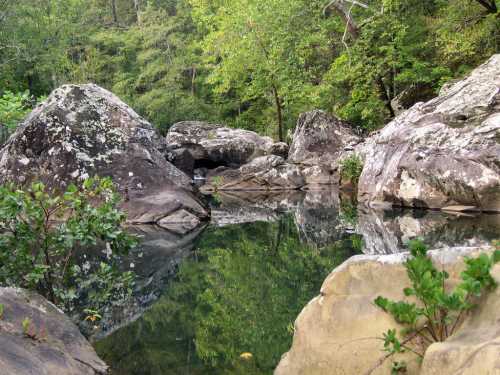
{"points": [[215, 145], [183, 159], [57, 347], [84, 130], [321, 140], [442, 153], [265, 173]]}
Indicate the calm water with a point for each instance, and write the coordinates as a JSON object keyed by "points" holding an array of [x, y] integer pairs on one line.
{"points": [[237, 285]]}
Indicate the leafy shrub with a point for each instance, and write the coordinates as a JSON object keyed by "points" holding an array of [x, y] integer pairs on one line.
{"points": [[13, 108], [351, 168], [439, 313], [40, 233]]}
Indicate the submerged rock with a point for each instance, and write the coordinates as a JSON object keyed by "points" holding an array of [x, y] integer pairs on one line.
{"points": [[55, 346], [214, 145], [337, 332], [442, 153], [83, 130], [154, 261]]}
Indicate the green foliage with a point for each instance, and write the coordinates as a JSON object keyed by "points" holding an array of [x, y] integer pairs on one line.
{"points": [[439, 312], [26, 325], [351, 168], [40, 233], [217, 182], [2, 310], [254, 64], [13, 108]]}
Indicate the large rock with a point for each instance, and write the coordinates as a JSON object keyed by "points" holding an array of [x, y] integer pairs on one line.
{"points": [[84, 130], [443, 153], [265, 173], [320, 142], [214, 145], [337, 332], [56, 345]]}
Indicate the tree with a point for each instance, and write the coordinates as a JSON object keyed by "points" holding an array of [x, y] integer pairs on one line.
{"points": [[263, 49], [40, 232]]}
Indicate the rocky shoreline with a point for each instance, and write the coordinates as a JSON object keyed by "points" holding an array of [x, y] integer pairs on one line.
{"points": [[439, 155]]}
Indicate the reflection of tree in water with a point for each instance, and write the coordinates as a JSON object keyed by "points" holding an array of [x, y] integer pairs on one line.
{"points": [[240, 292]]}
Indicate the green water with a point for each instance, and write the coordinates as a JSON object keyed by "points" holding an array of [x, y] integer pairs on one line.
{"points": [[236, 286], [238, 292]]}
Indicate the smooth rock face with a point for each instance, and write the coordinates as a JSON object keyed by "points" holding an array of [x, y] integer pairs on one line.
{"points": [[83, 130], [61, 348], [336, 332], [445, 152], [216, 145]]}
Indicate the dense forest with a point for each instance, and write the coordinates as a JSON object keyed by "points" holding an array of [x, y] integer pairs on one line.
{"points": [[254, 64]]}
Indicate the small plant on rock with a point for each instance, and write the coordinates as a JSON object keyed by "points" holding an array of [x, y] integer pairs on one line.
{"points": [[217, 182], [351, 168], [438, 313]]}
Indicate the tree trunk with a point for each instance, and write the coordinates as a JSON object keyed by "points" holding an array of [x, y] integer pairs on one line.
{"points": [[193, 79], [113, 11], [345, 14], [137, 8], [385, 96], [279, 114]]}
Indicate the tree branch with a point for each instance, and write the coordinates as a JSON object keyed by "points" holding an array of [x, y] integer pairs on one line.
{"points": [[490, 5]]}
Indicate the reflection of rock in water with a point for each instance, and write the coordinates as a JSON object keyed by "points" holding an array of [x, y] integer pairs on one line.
{"points": [[248, 207], [317, 218], [316, 212], [387, 231], [154, 261]]}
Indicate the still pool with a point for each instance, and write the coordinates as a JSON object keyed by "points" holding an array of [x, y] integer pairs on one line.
{"points": [[222, 299]]}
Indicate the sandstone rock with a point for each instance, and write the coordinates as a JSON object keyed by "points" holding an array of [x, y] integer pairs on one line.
{"points": [[60, 349], [215, 145], [84, 130], [319, 143], [336, 332], [441, 153]]}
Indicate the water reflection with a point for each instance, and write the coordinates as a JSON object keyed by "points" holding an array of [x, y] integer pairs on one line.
{"points": [[236, 286], [239, 292]]}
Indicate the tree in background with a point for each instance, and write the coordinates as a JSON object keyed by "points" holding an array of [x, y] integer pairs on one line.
{"points": [[253, 64], [273, 50]]}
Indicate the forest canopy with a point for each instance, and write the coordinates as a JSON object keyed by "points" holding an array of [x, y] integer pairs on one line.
{"points": [[254, 64]]}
